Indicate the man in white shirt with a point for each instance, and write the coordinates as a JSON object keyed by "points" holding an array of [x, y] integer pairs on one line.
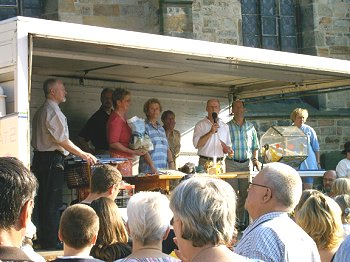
{"points": [[343, 167], [273, 236], [51, 143], [211, 136]]}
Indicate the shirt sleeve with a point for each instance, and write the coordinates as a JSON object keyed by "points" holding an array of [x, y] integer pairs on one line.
{"points": [[255, 144], [313, 140], [197, 133], [56, 124]]}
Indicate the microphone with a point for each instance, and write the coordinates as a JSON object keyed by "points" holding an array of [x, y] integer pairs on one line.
{"points": [[215, 116]]}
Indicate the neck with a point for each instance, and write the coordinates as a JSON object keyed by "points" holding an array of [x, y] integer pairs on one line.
{"points": [[93, 196], [138, 248], [239, 119], [201, 252], [11, 237], [153, 120], [70, 251], [53, 100]]}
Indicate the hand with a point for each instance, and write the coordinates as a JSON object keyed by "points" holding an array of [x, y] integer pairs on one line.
{"points": [[154, 170], [89, 158], [178, 252], [226, 149], [257, 164], [139, 152], [214, 128]]}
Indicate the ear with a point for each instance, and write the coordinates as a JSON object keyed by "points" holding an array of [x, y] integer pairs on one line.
{"points": [[268, 195], [166, 233], [26, 213], [60, 236], [93, 240]]}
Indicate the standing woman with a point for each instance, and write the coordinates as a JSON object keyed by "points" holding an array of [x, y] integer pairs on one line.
{"points": [[160, 156], [119, 132], [173, 136], [312, 162]]}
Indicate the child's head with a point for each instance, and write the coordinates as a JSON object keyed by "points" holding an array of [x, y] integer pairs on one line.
{"points": [[344, 203]]}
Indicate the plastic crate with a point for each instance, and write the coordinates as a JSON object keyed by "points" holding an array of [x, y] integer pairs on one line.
{"points": [[124, 195]]}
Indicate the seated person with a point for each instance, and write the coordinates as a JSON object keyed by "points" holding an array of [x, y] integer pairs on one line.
{"points": [[344, 203], [78, 231], [112, 239], [148, 225], [340, 186], [105, 182], [328, 179], [343, 167]]}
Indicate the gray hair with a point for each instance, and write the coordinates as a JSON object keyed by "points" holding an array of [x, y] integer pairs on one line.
{"points": [[206, 207], [285, 183], [48, 85], [149, 217]]}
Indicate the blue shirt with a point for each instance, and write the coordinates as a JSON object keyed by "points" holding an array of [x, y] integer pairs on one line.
{"points": [[310, 163], [159, 154], [343, 252], [244, 139], [274, 237]]}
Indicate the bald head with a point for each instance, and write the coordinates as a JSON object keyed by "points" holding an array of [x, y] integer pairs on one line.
{"points": [[285, 183]]}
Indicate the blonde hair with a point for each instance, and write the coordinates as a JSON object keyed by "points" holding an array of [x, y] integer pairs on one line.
{"points": [[305, 196], [340, 186], [344, 203], [299, 112], [320, 218]]}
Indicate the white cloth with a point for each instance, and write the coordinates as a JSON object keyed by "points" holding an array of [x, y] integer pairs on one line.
{"points": [[274, 237], [213, 146], [343, 168], [49, 127]]}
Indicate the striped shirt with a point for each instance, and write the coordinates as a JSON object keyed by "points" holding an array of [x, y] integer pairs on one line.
{"points": [[159, 154], [244, 139], [274, 237]]}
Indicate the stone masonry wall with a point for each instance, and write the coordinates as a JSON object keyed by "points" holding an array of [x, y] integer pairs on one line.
{"points": [[217, 21]]}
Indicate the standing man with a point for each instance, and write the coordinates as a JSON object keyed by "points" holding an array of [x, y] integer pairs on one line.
{"points": [[273, 236], [211, 136], [51, 144], [245, 146], [17, 191], [95, 130]]}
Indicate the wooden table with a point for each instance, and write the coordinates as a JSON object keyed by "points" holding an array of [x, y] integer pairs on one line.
{"points": [[144, 183]]}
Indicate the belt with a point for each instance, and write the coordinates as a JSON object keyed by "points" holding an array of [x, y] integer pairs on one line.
{"points": [[240, 161], [211, 159], [56, 152]]}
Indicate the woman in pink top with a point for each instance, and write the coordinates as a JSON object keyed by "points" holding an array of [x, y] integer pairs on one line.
{"points": [[119, 132]]}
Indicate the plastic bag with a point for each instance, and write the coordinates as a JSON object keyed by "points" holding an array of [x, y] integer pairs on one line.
{"points": [[139, 140]]}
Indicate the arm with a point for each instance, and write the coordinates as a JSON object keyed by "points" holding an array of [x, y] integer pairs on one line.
{"points": [[171, 163], [204, 138], [118, 146], [149, 162], [72, 148]]}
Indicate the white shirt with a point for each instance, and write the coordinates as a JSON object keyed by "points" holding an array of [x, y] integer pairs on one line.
{"points": [[213, 146], [343, 168], [49, 127]]}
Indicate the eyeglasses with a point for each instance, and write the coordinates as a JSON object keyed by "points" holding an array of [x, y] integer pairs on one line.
{"points": [[253, 184]]}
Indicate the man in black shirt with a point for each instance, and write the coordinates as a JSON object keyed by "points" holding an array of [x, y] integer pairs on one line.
{"points": [[95, 128]]}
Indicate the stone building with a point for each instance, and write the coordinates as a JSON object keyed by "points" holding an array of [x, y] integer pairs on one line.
{"points": [[312, 27]]}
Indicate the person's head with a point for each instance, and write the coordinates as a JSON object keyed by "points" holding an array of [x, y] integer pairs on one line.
{"points": [[148, 217], [320, 218], [112, 229], [106, 98], [344, 203], [328, 178], [121, 99], [340, 186], [305, 196], [277, 187], [55, 90], [105, 181], [168, 119], [152, 108], [346, 150], [213, 105], [299, 116], [78, 227], [204, 212], [17, 191], [238, 108]]}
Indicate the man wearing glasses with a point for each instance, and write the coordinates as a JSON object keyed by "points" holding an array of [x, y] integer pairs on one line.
{"points": [[273, 236], [327, 181]]}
